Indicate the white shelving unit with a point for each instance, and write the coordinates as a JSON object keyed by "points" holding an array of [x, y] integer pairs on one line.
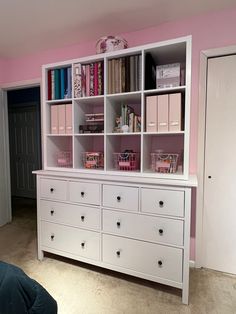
{"points": [[171, 51], [135, 222]]}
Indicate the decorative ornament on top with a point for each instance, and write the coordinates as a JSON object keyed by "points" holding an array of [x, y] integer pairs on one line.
{"points": [[110, 43]]}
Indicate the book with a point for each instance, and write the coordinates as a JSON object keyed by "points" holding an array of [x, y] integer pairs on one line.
{"points": [[122, 75], [49, 84], [83, 80], [132, 73], [69, 83], [57, 84], [150, 72], [91, 81], [109, 77], [127, 74], [53, 84], [62, 82], [100, 78], [96, 78], [87, 76], [77, 80]]}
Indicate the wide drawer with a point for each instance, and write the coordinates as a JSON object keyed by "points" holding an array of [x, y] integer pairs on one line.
{"points": [[120, 197], [164, 202], [71, 240], [147, 258], [53, 189], [84, 192], [155, 229], [68, 214]]}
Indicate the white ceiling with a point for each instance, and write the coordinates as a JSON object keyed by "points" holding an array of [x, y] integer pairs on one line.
{"points": [[28, 26]]}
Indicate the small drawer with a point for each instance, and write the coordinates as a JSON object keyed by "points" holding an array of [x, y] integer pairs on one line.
{"points": [[120, 197], [53, 189], [71, 240], [154, 229], [83, 192], [143, 257], [164, 202], [68, 214]]}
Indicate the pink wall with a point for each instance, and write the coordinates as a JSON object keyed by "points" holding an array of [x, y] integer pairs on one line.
{"points": [[2, 70], [208, 31]]}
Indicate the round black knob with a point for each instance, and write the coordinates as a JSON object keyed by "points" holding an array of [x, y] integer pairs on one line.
{"points": [[52, 212], [51, 190], [82, 194], [82, 218], [83, 245], [160, 231], [161, 203], [118, 224], [118, 253], [160, 263], [52, 237], [118, 198]]}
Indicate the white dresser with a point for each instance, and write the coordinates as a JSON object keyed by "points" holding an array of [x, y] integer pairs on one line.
{"points": [[136, 226]]}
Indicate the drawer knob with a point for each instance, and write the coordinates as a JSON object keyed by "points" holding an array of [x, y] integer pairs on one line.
{"points": [[161, 203], [118, 198], [83, 245], [52, 212], [160, 231], [118, 224], [82, 194], [52, 190], [82, 218], [52, 237], [160, 263], [118, 253]]}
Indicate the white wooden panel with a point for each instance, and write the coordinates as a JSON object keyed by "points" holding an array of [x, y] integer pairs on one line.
{"points": [[68, 239], [53, 189], [153, 259], [74, 215], [164, 202], [83, 192], [155, 229], [120, 197]]}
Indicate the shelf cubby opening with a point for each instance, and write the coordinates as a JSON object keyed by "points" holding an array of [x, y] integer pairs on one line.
{"points": [[121, 146], [59, 151], [91, 147]]}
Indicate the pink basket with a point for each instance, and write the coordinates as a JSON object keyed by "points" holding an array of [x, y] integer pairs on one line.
{"points": [[126, 161], [64, 159]]}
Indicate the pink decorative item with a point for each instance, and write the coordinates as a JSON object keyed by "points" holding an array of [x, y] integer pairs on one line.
{"points": [[110, 43]]}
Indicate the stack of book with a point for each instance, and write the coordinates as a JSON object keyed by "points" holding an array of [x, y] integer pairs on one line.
{"points": [[59, 83], [129, 119], [124, 74], [88, 79]]}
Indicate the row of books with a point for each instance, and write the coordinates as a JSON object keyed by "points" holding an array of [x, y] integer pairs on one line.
{"points": [[88, 79], [59, 83], [124, 74], [128, 121]]}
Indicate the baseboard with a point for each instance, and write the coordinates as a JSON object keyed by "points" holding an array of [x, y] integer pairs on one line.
{"points": [[192, 264]]}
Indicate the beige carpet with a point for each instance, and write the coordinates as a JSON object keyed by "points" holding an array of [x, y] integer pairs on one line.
{"points": [[80, 288]]}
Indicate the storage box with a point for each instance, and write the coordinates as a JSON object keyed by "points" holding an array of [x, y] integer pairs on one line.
{"points": [[126, 161], [93, 160], [168, 75], [64, 159], [164, 163]]}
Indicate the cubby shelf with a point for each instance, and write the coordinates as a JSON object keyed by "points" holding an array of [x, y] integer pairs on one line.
{"points": [[109, 141]]}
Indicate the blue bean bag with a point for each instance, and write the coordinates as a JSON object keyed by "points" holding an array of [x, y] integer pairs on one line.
{"points": [[19, 294]]}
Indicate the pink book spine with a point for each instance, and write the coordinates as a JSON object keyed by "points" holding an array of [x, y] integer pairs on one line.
{"points": [[96, 79], [83, 73], [54, 119], [163, 113], [87, 74], [62, 119], [175, 112], [151, 114], [68, 118]]}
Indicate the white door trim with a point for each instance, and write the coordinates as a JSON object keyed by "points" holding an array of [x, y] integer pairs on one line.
{"points": [[3, 93], [217, 52]]}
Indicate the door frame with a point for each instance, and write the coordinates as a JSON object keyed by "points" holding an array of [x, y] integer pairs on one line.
{"points": [[204, 56], [4, 88]]}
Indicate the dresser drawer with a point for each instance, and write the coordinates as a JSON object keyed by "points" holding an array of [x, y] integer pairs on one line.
{"points": [[147, 258], [53, 189], [68, 214], [155, 229], [120, 197], [71, 240], [164, 202], [84, 192]]}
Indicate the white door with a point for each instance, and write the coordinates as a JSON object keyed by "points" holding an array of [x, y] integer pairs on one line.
{"points": [[5, 211], [219, 216]]}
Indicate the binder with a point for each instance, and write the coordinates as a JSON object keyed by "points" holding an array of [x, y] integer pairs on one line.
{"points": [[68, 118], [61, 119], [175, 112], [162, 113], [151, 114], [54, 119]]}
